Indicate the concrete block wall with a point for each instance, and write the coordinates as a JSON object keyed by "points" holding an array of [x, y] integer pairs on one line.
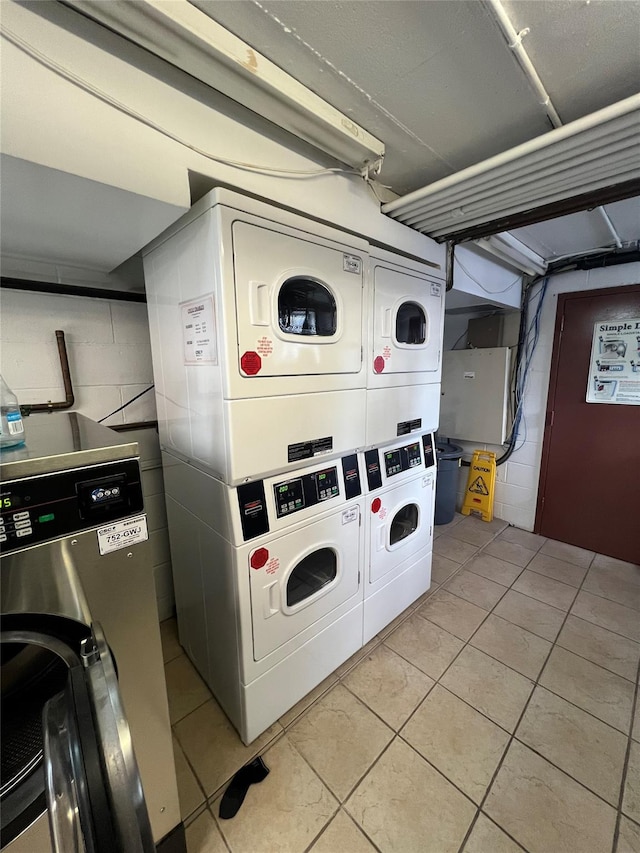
{"points": [[517, 480], [110, 362]]}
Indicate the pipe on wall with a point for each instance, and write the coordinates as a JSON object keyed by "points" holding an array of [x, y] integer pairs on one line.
{"points": [[69, 399]]}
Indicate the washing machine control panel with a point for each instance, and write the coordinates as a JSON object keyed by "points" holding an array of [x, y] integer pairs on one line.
{"points": [[403, 459], [305, 491], [37, 509]]}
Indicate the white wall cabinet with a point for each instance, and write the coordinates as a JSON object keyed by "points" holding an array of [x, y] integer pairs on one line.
{"points": [[475, 395]]}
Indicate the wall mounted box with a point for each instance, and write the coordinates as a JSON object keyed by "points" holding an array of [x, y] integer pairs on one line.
{"points": [[475, 395]]}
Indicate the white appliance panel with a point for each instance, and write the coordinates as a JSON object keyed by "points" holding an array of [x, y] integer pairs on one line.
{"points": [[279, 610], [299, 305], [403, 410], [393, 598], [400, 525], [266, 434], [407, 310], [278, 689]]}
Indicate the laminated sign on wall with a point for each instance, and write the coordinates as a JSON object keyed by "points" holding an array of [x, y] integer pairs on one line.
{"points": [[614, 370]]}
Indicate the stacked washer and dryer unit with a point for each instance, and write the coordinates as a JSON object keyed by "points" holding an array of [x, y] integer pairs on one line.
{"points": [[286, 358]]}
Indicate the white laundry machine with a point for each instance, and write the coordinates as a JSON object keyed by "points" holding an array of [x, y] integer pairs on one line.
{"points": [[251, 306], [268, 582], [404, 357], [401, 481]]}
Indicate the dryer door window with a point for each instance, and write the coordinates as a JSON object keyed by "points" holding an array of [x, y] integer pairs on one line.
{"points": [[311, 574], [306, 308], [411, 324], [405, 522]]}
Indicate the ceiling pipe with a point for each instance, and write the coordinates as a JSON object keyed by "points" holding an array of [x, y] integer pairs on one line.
{"points": [[514, 41], [611, 227]]}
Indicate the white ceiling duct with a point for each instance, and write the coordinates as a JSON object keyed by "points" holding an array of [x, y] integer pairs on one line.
{"points": [[595, 152], [192, 41]]}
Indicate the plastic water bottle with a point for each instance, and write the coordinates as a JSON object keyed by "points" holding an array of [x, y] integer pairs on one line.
{"points": [[11, 426]]}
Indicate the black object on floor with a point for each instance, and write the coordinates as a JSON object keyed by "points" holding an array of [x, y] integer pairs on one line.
{"points": [[233, 798]]}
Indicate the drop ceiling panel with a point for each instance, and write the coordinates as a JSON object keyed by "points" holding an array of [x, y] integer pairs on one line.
{"points": [[586, 53], [625, 216], [434, 80], [566, 234]]}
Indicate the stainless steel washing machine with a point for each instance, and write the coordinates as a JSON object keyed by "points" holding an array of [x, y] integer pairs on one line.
{"points": [[87, 759]]}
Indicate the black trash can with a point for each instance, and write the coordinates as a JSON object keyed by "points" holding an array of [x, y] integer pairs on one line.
{"points": [[449, 456]]}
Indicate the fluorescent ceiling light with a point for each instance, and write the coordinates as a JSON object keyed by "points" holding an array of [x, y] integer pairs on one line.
{"points": [[192, 41], [595, 152], [514, 252]]}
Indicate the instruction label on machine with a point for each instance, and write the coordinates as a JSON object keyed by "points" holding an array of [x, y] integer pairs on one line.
{"points": [[614, 368], [122, 534], [309, 449], [199, 331]]}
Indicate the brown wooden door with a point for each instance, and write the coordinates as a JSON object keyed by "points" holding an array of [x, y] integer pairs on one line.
{"points": [[590, 476]]}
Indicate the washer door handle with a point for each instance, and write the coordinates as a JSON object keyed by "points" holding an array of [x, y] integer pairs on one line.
{"points": [[258, 292], [270, 600], [386, 323]]}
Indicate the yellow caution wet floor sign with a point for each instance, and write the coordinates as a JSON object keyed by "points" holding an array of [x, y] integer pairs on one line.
{"points": [[481, 485]]}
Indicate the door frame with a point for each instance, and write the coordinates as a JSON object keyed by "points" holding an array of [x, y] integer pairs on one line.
{"points": [[563, 298]]}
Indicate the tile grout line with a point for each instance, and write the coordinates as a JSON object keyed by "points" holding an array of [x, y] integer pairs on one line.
{"points": [[515, 729], [309, 848], [625, 768], [196, 812]]}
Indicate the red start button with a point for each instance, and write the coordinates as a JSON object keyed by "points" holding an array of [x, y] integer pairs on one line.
{"points": [[250, 363], [378, 364], [259, 558], [376, 503]]}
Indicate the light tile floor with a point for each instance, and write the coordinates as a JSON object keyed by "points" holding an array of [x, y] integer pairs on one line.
{"points": [[499, 713]]}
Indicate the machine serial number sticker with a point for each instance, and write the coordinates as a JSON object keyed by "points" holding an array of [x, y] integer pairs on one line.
{"points": [[309, 449], [122, 534], [405, 427], [352, 263]]}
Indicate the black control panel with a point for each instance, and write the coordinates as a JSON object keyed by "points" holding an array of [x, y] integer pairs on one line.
{"points": [[351, 474], [402, 459], [429, 450], [374, 474], [37, 509], [301, 492], [253, 510]]}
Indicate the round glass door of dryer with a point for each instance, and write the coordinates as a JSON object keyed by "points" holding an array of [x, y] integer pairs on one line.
{"points": [[313, 573], [306, 308], [404, 524], [411, 324]]}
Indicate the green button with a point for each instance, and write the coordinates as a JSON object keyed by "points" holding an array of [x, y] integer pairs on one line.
{"points": [[48, 517]]}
